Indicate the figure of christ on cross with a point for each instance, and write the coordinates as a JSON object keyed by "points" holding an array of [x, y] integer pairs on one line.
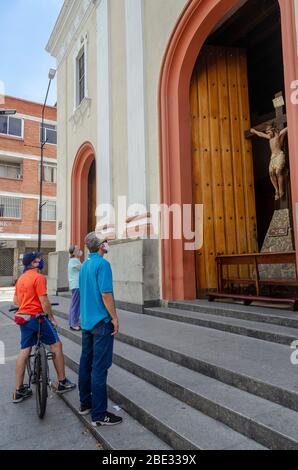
{"points": [[278, 158]]}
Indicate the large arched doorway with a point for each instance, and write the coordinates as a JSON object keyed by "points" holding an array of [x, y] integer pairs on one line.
{"points": [[83, 190], [196, 23]]}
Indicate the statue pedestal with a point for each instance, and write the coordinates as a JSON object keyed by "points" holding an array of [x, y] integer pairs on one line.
{"points": [[279, 238]]}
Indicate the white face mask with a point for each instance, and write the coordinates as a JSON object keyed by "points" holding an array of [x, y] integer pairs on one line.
{"points": [[106, 247], [78, 253]]}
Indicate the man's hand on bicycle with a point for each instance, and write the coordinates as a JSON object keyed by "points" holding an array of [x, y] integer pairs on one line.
{"points": [[54, 322]]}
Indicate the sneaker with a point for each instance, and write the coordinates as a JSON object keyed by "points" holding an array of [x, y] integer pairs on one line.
{"points": [[108, 420], [65, 386], [84, 410], [21, 394], [75, 328]]}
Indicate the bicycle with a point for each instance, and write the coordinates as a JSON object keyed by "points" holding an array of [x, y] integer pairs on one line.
{"points": [[38, 368]]}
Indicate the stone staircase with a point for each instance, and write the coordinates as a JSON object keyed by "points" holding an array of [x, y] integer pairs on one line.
{"points": [[197, 375]]}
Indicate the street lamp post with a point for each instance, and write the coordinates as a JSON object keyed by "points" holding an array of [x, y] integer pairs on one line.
{"points": [[52, 73]]}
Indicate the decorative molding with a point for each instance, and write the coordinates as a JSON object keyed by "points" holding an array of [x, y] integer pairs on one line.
{"points": [[136, 103], [25, 236], [27, 117], [22, 156], [82, 43], [80, 112], [104, 144], [26, 196], [72, 17]]}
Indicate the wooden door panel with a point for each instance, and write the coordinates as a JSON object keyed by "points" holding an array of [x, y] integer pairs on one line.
{"points": [[223, 179]]}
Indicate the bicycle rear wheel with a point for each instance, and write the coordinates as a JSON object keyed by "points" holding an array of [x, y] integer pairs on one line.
{"points": [[41, 367]]}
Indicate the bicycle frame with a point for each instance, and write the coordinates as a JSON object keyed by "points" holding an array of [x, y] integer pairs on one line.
{"points": [[39, 344], [40, 358]]}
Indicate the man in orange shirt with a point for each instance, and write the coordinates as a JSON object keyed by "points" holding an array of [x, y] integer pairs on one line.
{"points": [[32, 299]]}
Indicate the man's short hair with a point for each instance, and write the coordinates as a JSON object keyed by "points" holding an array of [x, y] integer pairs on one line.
{"points": [[72, 249], [93, 243]]}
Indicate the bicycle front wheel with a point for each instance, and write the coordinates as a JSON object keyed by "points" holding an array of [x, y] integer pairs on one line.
{"points": [[41, 366]]}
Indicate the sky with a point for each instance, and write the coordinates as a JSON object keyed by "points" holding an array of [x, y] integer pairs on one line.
{"points": [[25, 28]]}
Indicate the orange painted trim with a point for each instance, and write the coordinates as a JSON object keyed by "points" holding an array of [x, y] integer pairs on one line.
{"points": [[290, 57], [191, 31], [79, 193]]}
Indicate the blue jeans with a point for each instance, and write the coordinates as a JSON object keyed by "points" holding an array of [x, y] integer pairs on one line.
{"points": [[96, 359], [74, 310]]}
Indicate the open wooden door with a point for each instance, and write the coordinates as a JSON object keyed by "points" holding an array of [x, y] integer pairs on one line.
{"points": [[223, 176]]}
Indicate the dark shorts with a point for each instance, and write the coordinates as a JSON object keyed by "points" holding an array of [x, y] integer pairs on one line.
{"points": [[29, 333]]}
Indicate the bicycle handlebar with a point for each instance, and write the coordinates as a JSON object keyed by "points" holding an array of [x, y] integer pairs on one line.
{"points": [[14, 309]]}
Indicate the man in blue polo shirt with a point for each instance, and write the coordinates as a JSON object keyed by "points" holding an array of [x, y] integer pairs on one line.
{"points": [[100, 324]]}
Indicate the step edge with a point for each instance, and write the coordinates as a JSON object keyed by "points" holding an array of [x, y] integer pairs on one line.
{"points": [[116, 395], [251, 421]]}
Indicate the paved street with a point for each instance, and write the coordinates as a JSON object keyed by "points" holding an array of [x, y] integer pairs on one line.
{"points": [[20, 427]]}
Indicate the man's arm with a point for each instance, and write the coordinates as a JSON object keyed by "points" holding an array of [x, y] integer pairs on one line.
{"points": [[47, 309], [283, 132], [282, 135], [108, 300], [260, 134]]}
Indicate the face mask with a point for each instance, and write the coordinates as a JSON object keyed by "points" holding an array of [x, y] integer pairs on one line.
{"points": [[39, 265], [106, 247]]}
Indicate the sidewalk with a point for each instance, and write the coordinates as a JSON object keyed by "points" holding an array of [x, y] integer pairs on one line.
{"points": [[20, 427]]}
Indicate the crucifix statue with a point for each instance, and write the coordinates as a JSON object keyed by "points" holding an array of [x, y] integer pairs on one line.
{"points": [[275, 132]]}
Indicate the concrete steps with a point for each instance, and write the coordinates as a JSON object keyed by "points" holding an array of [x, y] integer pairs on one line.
{"points": [[189, 384], [171, 420], [270, 424], [259, 367], [261, 314], [131, 434], [275, 333], [256, 366]]}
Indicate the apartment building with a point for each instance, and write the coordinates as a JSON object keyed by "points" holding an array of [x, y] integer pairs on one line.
{"points": [[20, 142]]}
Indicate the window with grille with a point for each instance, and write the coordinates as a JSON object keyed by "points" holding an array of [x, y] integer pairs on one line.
{"points": [[49, 211], [6, 262], [11, 126], [81, 74], [49, 173], [10, 170], [10, 207], [48, 134]]}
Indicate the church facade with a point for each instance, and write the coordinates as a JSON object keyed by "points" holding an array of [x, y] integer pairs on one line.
{"points": [[156, 99]]}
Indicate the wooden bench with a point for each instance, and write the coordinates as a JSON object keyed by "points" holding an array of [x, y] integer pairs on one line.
{"points": [[254, 260]]}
